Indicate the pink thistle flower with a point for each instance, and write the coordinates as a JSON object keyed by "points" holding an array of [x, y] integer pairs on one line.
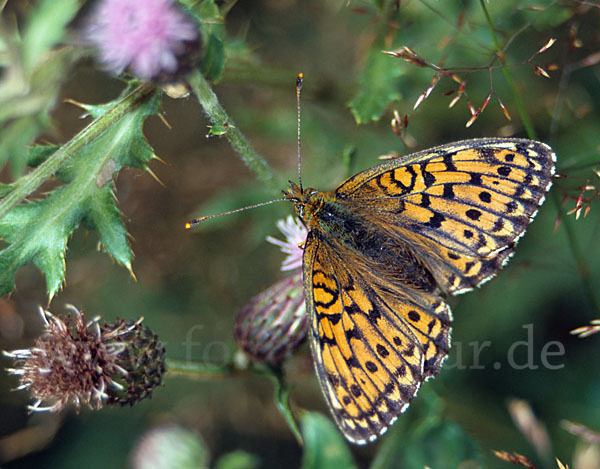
{"points": [[295, 235], [148, 37]]}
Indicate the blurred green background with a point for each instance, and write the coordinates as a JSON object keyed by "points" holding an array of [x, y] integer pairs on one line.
{"points": [[192, 283]]}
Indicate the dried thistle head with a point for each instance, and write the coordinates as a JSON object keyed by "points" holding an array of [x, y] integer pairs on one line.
{"points": [[88, 363]]}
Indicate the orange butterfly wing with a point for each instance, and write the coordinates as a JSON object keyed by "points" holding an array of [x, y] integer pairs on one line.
{"points": [[373, 344], [462, 206]]}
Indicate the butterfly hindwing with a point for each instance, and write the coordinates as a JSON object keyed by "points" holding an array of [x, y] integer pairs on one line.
{"points": [[373, 345]]}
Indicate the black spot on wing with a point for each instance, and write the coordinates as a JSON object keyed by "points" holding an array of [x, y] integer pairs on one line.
{"points": [[372, 367], [475, 179], [382, 351], [485, 196], [436, 220], [504, 171], [449, 162], [498, 225], [414, 316], [473, 214], [448, 192], [488, 154], [353, 333], [428, 178]]}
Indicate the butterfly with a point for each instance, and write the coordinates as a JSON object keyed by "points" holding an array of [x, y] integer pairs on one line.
{"points": [[384, 250]]}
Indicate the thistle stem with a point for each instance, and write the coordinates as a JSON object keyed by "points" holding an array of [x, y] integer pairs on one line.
{"points": [[218, 116], [196, 370]]}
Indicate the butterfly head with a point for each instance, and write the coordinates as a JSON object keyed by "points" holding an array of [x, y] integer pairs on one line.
{"points": [[307, 202]]}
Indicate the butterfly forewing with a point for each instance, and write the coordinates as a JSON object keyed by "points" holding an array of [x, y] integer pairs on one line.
{"points": [[462, 205], [384, 248]]}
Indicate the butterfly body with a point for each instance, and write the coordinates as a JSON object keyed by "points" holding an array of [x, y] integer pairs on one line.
{"points": [[333, 219], [385, 248]]}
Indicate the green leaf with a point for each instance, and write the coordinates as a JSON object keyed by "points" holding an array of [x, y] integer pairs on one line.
{"points": [[211, 22], [103, 216], [207, 10], [378, 85], [38, 232], [40, 153], [324, 445], [45, 28], [14, 137], [36, 67], [5, 189], [213, 61]]}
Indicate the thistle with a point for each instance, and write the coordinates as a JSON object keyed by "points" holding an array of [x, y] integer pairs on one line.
{"points": [[152, 39], [87, 363], [273, 324]]}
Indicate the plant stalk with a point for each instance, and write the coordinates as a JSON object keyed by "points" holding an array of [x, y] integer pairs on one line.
{"points": [[218, 116], [582, 265], [508, 77], [195, 370]]}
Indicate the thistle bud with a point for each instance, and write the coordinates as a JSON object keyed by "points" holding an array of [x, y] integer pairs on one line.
{"points": [[88, 363], [273, 324]]}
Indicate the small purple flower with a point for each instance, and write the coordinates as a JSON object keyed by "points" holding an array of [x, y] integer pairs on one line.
{"points": [[295, 235], [148, 37]]}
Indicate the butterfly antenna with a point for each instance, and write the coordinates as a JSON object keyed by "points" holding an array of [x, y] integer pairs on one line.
{"points": [[299, 82], [196, 221]]}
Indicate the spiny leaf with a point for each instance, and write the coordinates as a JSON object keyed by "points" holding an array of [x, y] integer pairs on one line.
{"points": [[37, 232]]}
